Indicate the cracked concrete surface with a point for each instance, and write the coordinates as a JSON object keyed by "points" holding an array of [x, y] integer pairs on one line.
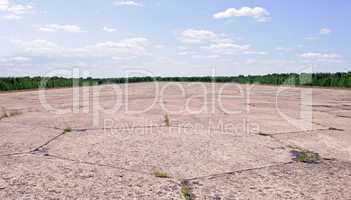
{"points": [[327, 180], [36, 177], [232, 142], [188, 153]]}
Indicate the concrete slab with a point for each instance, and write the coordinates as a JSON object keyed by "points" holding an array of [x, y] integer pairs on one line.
{"points": [[329, 144], [328, 180], [86, 120], [339, 121], [181, 153], [204, 139], [37, 177], [20, 138]]}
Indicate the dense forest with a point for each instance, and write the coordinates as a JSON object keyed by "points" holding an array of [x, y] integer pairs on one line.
{"points": [[317, 79]]}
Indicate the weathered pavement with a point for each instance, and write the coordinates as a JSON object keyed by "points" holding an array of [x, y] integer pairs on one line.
{"points": [[237, 146]]}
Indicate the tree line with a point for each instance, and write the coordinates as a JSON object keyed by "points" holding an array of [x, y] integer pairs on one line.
{"points": [[340, 79], [23, 83]]}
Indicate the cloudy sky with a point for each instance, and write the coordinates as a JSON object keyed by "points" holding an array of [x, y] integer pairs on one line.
{"points": [[108, 38]]}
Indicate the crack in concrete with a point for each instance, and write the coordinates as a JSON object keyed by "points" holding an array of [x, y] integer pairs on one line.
{"points": [[154, 126], [117, 128], [178, 181], [28, 125], [212, 176], [15, 154], [37, 149], [301, 132], [48, 142], [286, 145], [343, 116], [96, 164], [177, 126]]}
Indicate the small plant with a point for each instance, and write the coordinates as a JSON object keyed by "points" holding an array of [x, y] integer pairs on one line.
{"points": [[301, 155], [335, 129], [167, 120], [264, 134], [9, 113], [67, 130], [186, 191], [2, 113], [161, 174]]}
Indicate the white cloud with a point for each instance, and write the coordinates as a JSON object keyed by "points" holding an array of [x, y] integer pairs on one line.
{"points": [[117, 58], [284, 49], [4, 4], [126, 47], [19, 9], [325, 31], [258, 13], [227, 48], [213, 44], [12, 17], [127, 3], [15, 9], [252, 52], [311, 38], [20, 59], [321, 56], [58, 27], [39, 47], [317, 36], [214, 56], [45, 29], [15, 59], [197, 36], [110, 30], [159, 46], [130, 47], [187, 53]]}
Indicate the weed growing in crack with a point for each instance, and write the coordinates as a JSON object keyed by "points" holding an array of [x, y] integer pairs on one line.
{"points": [[42, 150], [186, 191], [161, 174], [2, 113], [67, 130], [264, 134], [305, 156], [8, 113], [167, 120], [335, 129]]}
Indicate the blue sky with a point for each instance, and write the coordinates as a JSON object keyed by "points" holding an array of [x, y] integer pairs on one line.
{"points": [[108, 38]]}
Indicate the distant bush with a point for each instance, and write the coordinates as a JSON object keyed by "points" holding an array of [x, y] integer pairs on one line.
{"points": [[340, 79]]}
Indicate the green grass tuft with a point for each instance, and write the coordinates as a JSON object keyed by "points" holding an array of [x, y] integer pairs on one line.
{"points": [[186, 191], [161, 174], [8, 113], [305, 156], [67, 130]]}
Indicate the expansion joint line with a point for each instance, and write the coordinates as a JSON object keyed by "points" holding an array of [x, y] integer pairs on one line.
{"points": [[237, 171], [96, 164], [35, 149], [48, 142]]}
